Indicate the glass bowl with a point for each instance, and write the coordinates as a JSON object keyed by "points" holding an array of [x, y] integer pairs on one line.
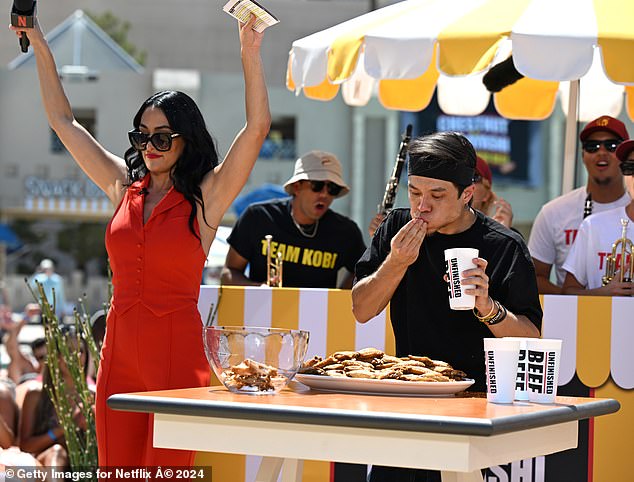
{"points": [[254, 360]]}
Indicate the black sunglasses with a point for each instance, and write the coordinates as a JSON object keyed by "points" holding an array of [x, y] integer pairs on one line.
{"points": [[333, 189], [593, 146], [627, 167], [162, 141]]}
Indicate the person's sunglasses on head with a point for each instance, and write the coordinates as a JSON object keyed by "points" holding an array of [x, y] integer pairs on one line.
{"points": [[162, 141], [593, 146]]}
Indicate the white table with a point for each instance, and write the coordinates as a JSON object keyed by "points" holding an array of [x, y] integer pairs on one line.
{"points": [[456, 435]]}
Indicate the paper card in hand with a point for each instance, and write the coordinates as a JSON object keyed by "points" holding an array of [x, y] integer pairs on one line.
{"points": [[242, 9]]}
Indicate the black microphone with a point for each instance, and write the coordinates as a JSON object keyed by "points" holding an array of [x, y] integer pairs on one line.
{"points": [[501, 75], [143, 191], [22, 16]]}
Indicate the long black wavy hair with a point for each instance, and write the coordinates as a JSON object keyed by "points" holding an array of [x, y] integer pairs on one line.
{"points": [[199, 154]]}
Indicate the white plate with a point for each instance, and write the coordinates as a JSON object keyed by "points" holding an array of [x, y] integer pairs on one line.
{"points": [[392, 387]]}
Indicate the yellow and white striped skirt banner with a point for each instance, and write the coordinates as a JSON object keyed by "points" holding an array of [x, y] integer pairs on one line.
{"points": [[597, 334], [326, 314]]}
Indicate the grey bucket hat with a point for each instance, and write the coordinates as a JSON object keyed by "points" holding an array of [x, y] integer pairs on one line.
{"points": [[317, 166]]}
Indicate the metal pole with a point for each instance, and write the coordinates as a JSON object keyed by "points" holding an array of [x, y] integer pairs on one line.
{"points": [[358, 163], [570, 146]]}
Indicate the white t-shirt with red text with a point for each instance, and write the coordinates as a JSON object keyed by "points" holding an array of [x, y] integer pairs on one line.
{"points": [[588, 254], [556, 226]]}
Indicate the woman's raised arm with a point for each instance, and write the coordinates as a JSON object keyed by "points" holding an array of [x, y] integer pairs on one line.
{"points": [[222, 186], [105, 169]]}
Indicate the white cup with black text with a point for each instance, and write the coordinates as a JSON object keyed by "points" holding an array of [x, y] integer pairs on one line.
{"points": [[458, 260], [543, 358], [501, 356], [521, 380]]}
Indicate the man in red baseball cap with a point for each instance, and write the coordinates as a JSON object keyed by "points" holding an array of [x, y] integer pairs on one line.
{"points": [[556, 225], [623, 154], [485, 200], [586, 271]]}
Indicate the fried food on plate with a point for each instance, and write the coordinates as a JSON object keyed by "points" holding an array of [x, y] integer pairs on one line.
{"points": [[374, 364]]}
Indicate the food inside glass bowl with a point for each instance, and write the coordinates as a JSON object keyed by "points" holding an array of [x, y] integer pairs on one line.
{"points": [[253, 376], [254, 360], [374, 364]]}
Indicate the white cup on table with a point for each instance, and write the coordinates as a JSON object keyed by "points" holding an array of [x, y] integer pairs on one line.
{"points": [[501, 356], [521, 380], [543, 358]]}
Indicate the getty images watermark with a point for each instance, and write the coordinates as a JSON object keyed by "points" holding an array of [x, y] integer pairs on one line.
{"points": [[10, 473]]}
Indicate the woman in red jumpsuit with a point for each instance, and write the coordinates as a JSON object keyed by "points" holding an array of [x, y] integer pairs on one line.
{"points": [[169, 191]]}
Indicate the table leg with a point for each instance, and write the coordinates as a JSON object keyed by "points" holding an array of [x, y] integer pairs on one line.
{"points": [[269, 469], [475, 476], [292, 470]]}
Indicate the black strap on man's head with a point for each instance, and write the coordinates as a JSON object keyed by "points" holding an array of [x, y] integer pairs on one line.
{"points": [[460, 174]]}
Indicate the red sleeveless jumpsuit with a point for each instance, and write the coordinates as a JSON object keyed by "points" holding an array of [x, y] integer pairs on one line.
{"points": [[154, 330]]}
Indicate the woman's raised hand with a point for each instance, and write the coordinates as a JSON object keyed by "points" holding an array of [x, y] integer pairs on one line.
{"points": [[249, 38], [33, 33]]}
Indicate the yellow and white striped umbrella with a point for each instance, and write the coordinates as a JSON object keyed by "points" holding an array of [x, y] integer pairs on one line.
{"points": [[406, 50]]}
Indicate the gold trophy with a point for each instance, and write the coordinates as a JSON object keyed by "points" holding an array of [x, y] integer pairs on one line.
{"points": [[273, 266], [624, 248]]}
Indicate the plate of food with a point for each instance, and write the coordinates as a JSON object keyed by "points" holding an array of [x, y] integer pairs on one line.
{"points": [[382, 387], [371, 371]]}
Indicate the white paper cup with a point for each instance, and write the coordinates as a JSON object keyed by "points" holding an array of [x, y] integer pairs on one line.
{"points": [[458, 260], [543, 358], [521, 380], [500, 358]]}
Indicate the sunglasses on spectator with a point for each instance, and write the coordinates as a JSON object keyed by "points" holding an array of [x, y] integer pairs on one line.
{"points": [[627, 167], [162, 141], [477, 177], [318, 186], [593, 146]]}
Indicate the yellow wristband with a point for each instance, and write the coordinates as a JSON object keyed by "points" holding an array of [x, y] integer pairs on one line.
{"points": [[489, 315]]}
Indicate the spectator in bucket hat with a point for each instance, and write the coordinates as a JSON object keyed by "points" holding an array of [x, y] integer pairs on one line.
{"points": [[313, 241]]}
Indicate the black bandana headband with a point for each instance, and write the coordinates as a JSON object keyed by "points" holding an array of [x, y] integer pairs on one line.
{"points": [[457, 173]]}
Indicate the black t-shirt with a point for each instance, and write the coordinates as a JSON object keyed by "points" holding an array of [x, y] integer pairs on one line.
{"points": [[307, 262], [422, 320]]}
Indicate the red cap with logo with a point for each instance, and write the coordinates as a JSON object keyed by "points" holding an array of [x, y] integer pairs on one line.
{"points": [[605, 123], [624, 150], [483, 169]]}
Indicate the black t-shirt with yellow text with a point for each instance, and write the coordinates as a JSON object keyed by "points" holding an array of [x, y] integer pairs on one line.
{"points": [[307, 262]]}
